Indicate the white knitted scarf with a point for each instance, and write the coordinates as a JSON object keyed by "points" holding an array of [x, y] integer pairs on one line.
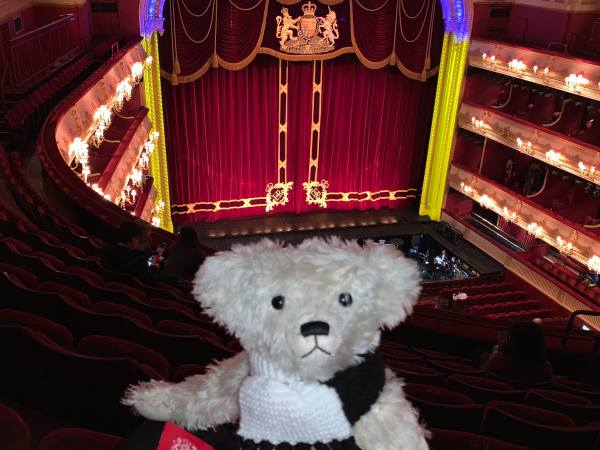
{"points": [[277, 407]]}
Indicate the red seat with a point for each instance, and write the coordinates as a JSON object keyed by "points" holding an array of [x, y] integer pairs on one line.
{"points": [[123, 310], [187, 370], [59, 334], [43, 375], [133, 292], [173, 305], [185, 329], [448, 366], [585, 390], [536, 428], [442, 408], [460, 440], [579, 408], [88, 275], [414, 373], [79, 439], [105, 346], [23, 275], [483, 390], [14, 433], [433, 354], [57, 288]]}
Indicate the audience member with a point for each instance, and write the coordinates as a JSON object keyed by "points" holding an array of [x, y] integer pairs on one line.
{"points": [[130, 253], [521, 355], [185, 256]]}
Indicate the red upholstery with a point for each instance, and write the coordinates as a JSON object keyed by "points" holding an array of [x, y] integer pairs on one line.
{"points": [[185, 329], [579, 408], [483, 390], [518, 102], [79, 439], [173, 305], [78, 296], [448, 366], [133, 292], [187, 370], [443, 408], [54, 331], [123, 310], [26, 277], [536, 428], [586, 390], [14, 433], [460, 440], [105, 346], [399, 355], [43, 375], [414, 373]]}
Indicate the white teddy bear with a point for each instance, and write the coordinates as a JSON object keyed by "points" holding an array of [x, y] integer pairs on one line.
{"points": [[309, 320]]}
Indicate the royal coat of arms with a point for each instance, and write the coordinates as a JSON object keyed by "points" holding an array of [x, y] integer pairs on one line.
{"points": [[307, 34]]}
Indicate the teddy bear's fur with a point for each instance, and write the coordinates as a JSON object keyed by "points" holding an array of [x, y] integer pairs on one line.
{"points": [[237, 288]]}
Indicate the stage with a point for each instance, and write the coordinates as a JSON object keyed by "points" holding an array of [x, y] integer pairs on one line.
{"points": [[384, 224]]}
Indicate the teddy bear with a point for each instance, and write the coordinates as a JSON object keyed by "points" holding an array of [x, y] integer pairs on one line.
{"points": [[309, 319]]}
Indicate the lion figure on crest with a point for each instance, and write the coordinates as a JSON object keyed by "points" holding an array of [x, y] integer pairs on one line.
{"points": [[285, 25]]}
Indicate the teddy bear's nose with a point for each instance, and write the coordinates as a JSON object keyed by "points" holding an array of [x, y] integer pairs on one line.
{"points": [[314, 329]]}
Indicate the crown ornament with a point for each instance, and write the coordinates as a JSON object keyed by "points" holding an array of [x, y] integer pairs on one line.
{"points": [[309, 8]]}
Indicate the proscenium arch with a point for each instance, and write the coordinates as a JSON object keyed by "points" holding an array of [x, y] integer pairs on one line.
{"points": [[457, 17]]}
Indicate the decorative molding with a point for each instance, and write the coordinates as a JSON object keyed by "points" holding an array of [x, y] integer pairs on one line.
{"points": [[151, 17], [577, 158], [554, 292], [576, 242], [498, 55]]}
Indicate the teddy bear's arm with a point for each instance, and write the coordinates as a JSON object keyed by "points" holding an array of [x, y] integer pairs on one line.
{"points": [[198, 402], [392, 423]]}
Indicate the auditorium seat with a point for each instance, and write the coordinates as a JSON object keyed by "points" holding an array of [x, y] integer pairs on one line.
{"points": [[570, 119], [57, 333], [536, 428], [450, 367], [461, 440], [79, 439], [577, 388], [579, 408], [416, 373], [14, 432], [543, 108], [399, 355], [518, 101], [483, 390], [23, 275], [183, 309], [185, 329], [44, 375], [442, 408], [61, 289], [187, 370], [123, 310], [105, 346]]}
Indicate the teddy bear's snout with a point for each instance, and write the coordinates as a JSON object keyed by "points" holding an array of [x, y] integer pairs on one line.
{"points": [[314, 329]]}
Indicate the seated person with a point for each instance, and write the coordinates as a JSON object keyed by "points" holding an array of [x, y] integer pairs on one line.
{"points": [[129, 254], [521, 355], [185, 256]]}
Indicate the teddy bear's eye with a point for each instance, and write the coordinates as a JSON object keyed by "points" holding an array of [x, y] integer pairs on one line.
{"points": [[278, 302], [345, 299]]}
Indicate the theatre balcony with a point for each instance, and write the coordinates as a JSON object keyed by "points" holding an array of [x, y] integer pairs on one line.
{"points": [[546, 68]]}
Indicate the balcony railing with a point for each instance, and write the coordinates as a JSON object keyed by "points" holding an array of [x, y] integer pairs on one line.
{"points": [[577, 158], [554, 70], [34, 55], [561, 234]]}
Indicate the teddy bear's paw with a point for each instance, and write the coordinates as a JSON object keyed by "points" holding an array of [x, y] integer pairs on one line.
{"points": [[151, 400]]}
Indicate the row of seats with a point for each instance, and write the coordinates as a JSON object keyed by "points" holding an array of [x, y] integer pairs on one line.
{"points": [[452, 394], [569, 278], [433, 288], [27, 107]]}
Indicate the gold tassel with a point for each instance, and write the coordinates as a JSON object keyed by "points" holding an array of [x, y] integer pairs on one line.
{"points": [[428, 62], [177, 66], [424, 74]]}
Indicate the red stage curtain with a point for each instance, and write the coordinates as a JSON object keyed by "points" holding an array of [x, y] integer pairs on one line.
{"points": [[222, 135], [230, 33], [374, 131]]}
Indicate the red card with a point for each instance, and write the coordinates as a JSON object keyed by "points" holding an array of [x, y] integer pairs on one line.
{"points": [[176, 438]]}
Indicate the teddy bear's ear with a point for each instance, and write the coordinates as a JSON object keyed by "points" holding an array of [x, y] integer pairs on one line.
{"points": [[397, 282], [223, 277]]}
